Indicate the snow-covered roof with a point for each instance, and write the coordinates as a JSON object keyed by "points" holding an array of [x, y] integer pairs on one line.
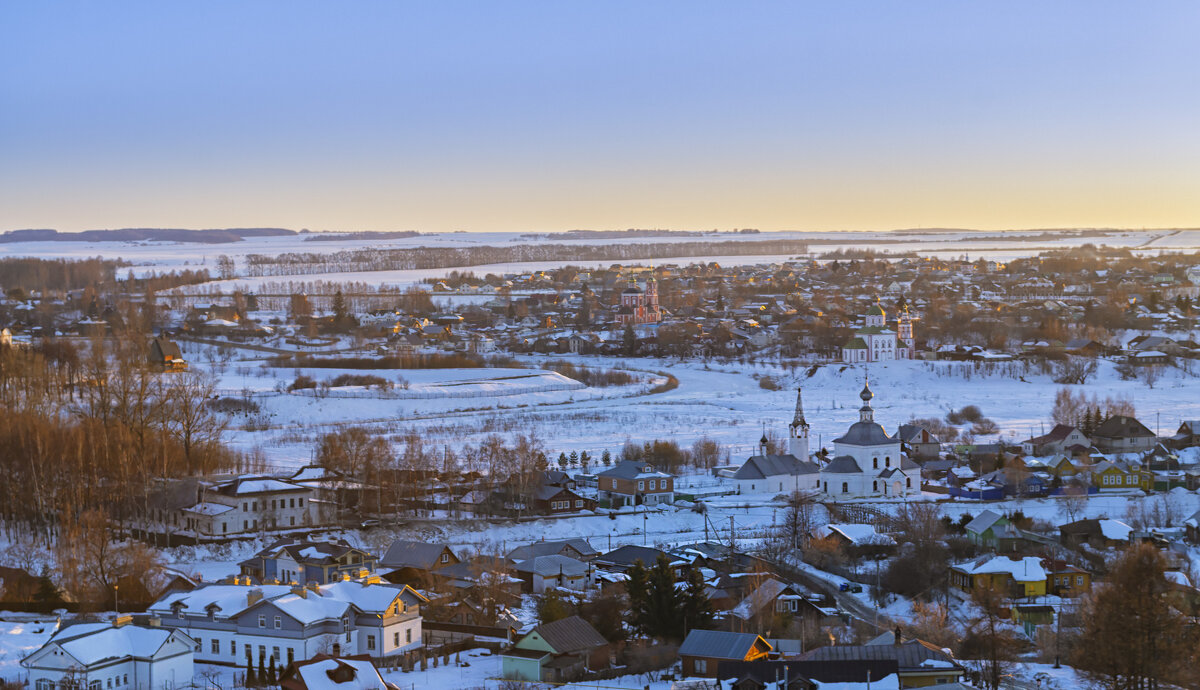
{"points": [[1115, 530], [209, 508], [93, 643], [859, 535], [341, 674], [1025, 569]]}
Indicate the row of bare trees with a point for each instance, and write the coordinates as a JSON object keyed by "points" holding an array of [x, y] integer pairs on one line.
{"points": [[96, 428]]}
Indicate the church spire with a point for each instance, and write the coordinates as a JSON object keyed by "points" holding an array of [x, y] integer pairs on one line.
{"points": [[798, 420], [865, 413]]}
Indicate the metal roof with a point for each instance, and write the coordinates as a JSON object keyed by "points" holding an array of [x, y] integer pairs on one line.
{"points": [[718, 644]]}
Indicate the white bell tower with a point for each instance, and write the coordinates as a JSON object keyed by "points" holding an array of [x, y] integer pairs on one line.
{"points": [[798, 431]]}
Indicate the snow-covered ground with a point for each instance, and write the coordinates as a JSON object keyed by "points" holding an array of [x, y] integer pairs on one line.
{"points": [[722, 402]]}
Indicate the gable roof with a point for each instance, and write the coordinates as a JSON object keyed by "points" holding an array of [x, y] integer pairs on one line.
{"points": [[718, 644], [1120, 426], [630, 554], [549, 548], [629, 469], [572, 634], [413, 554], [983, 521], [94, 643], [910, 655], [763, 466], [549, 566]]}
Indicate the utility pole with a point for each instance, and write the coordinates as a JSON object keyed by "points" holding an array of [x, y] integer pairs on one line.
{"points": [[731, 542]]}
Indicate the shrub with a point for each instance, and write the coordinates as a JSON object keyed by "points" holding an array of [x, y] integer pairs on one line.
{"points": [[984, 427], [768, 383], [365, 380], [301, 382]]}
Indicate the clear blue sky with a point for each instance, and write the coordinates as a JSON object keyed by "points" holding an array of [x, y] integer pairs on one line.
{"points": [[443, 115]]}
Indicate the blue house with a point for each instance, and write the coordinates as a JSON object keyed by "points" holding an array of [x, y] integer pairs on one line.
{"points": [[303, 562]]}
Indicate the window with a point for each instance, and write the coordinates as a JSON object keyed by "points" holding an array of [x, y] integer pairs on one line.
{"points": [[292, 503], [371, 642], [407, 635], [908, 482], [578, 503], [262, 621], [701, 665], [1078, 580], [249, 651], [875, 463], [874, 486], [216, 646], [125, 679], [244, 506], [110, 682], [262, 652], [887, 461], [641, 486], [233, 648], [43, 684], [278, 622], [300, 502], [199, 645], [445, 558], [614, 483], [274, 653], [845, 488], [652, 485], [396, 639]]}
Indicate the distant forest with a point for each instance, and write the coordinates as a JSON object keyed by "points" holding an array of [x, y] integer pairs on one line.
{"points": [[302, 263], [140, 234]]}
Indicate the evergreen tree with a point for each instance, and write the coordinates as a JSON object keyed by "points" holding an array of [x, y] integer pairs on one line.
{"points": [[339, 306], [552, 607], [251, 680], [272, 674], [664, 610], [262, 671], [562, 460], [697, 607], [606, 458], [573, 460], [637, 588], [629, 340], [584, 460]]}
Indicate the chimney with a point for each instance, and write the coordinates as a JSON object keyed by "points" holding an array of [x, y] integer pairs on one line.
{"points": [[154, 622], [118, 621], [314, 587], [899, 635], [254, 596], [300, 592]]}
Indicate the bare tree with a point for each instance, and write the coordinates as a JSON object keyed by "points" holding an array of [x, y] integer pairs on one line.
{"points": [[189, 418]]}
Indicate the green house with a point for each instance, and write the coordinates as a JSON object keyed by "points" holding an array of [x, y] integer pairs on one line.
{"points": [[556, 652]]}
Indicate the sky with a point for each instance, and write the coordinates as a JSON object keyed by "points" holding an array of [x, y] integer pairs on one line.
{"points": [[540, 116]]}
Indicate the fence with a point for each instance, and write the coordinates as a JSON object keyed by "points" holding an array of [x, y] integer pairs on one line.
{"points": [[444, 392]]}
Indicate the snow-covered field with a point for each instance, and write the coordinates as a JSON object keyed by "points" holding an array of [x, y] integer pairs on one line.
{"points": [[723, 402]]}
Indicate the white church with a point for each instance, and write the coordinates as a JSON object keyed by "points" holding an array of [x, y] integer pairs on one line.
{"points": [[784, 474], [875, 342], [867, 462]]}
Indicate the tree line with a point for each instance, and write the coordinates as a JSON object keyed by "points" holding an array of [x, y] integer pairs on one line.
{"points": [[300, 263]]}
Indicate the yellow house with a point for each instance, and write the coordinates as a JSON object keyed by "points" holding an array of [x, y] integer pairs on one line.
{"points": [[1108, 475], [1017, 576]]}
